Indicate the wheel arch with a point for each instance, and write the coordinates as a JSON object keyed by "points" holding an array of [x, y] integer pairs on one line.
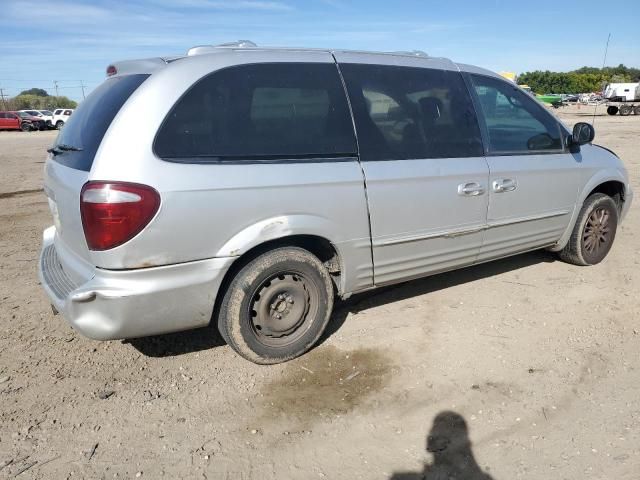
{"points": [[610, 182], [321, 247]]}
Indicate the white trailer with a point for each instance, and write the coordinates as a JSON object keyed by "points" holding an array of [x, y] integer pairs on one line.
{"points": [[621, 97], [622, 92]]}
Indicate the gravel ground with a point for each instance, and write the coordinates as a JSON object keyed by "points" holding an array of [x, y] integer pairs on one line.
{"points": [[538, 358]]}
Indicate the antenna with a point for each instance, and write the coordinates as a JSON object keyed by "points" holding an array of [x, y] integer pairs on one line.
{"points": [[604, 61]]}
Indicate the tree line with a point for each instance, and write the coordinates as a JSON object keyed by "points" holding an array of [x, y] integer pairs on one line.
{"points": [[37, 99], [582, 80]]}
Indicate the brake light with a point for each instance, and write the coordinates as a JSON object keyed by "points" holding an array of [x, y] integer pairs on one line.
{"points": [[115, 212]]}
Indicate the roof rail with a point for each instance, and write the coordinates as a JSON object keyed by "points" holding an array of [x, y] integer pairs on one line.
{"points": [[201, 49], [413, 53]]}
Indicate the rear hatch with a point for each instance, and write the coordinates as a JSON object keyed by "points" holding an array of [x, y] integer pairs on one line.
{"points": [[71, 158]]}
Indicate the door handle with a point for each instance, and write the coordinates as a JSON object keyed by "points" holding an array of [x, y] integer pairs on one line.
{"points": [[504, 185], [471, 189]]}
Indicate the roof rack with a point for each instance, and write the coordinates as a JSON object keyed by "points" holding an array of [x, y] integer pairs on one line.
{"points": [[201, 49], [413, 53]]}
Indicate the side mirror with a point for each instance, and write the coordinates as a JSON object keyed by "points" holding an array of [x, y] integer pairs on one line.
{"points": [[582, 133]]}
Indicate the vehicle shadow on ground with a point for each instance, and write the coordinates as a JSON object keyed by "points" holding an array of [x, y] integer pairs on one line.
{"points": [[448, 441], [208, 337], [415, 288]]}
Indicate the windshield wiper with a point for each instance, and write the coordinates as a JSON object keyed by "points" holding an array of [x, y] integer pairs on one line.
{"points": [[54, 151], [58, 149], [68, 148]]}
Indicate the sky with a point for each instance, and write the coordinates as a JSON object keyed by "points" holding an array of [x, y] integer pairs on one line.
{"points": [[73, 41]]}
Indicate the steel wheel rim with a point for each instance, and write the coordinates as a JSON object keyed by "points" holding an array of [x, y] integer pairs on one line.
{"points": [[282, 308], [597, 231]]}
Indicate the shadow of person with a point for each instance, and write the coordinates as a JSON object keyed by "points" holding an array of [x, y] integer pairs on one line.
{"points": [[448, 442]]}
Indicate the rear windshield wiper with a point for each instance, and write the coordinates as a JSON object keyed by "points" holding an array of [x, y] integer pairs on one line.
{"points": [[58, 149]]}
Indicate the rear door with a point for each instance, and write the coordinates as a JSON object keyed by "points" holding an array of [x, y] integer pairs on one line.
{"points": [[13, 121], [534, 180], [66, 171], [421, 151]]}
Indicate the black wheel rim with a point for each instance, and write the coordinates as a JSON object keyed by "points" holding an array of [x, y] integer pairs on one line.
{"points": [[597, 231], [282, 308]]}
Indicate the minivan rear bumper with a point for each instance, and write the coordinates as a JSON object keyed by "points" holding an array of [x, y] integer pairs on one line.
{"points": [[115, 304]]}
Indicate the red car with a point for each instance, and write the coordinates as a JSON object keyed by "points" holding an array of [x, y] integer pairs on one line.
{"points": [[20, 121]]}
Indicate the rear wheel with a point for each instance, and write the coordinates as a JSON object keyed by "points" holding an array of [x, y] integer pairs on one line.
{"points": [[625, 110], [594, 231], [25, 127], [612, 109], [636, 110], [277, 306]]}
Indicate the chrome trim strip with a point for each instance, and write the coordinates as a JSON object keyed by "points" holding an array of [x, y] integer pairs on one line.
{"points": [[530, 218], [427, 236], [467, 230]]}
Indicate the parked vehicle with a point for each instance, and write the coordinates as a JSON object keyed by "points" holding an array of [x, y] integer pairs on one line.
{"points": [[35, 123], [20, 121], [60, 117], [44, 115], [623, 98], [264, 182], [622, 92], [552, 99]]}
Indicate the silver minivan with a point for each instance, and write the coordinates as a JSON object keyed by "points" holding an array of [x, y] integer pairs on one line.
{"points": [[249, 186]]}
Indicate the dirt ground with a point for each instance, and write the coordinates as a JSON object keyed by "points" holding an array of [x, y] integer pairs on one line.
{"points": [[536, 361]]}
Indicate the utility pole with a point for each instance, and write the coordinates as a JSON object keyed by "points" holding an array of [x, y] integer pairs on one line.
{"points": [[82, 87], [55, 84], [4, 102]]}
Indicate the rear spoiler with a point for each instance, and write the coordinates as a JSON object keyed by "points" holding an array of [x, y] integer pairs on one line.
{"points": [[143, 65]]}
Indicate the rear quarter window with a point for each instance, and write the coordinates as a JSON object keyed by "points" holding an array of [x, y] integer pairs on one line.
{"points": [[260, 112], [87, 126]]}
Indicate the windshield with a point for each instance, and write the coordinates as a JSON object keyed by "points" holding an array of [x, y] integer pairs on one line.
{"points": [[34, 113], [46, 112], [85, 129], [24, 115]]}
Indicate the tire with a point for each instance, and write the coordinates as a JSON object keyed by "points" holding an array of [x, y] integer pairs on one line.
{"points": [[597, 222], [625, 110], [612, 109], [25, 127], [277, 306], [59, 124], [636, 110]]}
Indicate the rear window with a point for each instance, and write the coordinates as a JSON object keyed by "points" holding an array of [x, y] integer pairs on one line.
{"points": [[89, 122], [260, 112]]}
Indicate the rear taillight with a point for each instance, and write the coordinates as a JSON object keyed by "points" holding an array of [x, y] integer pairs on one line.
{"points": [[115, 212]]}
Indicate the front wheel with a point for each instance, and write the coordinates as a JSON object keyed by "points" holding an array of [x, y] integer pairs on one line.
{"points": [[25, 127], [594, 231], [59, 124], [277, 306]]}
